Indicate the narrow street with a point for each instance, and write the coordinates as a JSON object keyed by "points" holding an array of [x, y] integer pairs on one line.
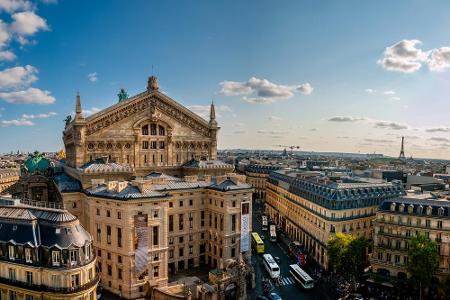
{"points": [[286, 288]]}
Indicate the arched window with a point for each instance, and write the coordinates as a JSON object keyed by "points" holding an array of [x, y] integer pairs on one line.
{"points": [[401, 208], [441, 211], [161, 130], [145, 130]]}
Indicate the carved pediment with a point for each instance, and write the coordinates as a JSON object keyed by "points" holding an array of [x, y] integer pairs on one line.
{"points": [[151, 102]]}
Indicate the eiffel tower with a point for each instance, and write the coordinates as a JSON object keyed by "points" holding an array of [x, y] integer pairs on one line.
{"points": [[402, 150]]}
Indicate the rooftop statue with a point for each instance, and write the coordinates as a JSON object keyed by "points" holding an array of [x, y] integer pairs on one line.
{"points": [[123, 95], [68, 119]]}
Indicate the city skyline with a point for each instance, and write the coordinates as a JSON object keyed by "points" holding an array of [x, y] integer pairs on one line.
{"points": [[323, 77]]}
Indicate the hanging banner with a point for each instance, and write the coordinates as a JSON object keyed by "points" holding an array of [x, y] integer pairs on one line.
{"points": [[141, 257], [245, 226]]}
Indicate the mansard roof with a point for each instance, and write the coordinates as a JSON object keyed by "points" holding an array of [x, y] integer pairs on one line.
{"points": [[100, 166], [66, 184], [263, 169], [439, 207], [207, 164], [315, 183], [27, 225]]}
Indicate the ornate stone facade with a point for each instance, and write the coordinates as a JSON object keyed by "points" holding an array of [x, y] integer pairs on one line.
{"points": [[148, 131]]}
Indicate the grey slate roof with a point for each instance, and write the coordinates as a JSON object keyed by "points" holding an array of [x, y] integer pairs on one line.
{"points": [[41, 227], [207, 164], [98, 166], [65, 183]]}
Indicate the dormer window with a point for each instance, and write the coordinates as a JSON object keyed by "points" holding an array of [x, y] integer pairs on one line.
{"points": [[56, 258], [420, 209], [410, 208], [73, 257], [393, 206], [401, 208], [429, 210], [28, 256], [440, 211], [11, 252]]}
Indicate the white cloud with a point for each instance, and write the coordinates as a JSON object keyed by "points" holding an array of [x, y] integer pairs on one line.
{"points": [[395, 98], [403, 56], [239, 132], [204, 110], [346, 119], [91, 111], [390, 125], [16, 122], [438, 129], [274, 119], [27, 23], [375, 123], [389, 92], [370, 91], [305, 88], [263, 91], [439, 59], [28, 96], [4, 34], [11, 6], [381, 141], [7, 56], [39, 116], [439, 139], [234, 88], [18, 77], [92, 77]]}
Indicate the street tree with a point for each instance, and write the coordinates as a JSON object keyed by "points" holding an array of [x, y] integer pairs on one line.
{"points": [[347, 255], [423, 260]]}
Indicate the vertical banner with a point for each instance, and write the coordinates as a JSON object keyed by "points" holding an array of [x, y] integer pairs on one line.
{"points": [[141, 257], [245, 226]]}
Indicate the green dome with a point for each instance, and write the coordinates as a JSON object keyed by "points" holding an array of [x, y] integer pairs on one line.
{"points": [[37, 162]]}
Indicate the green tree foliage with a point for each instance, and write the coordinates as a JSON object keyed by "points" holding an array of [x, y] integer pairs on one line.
{"points": [[423, 260], [347, 254]]}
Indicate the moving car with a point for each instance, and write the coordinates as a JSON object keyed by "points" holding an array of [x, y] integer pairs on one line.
{"points": [[274, 296]]}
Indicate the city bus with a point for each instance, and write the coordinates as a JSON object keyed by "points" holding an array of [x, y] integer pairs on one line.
{"points": [[273, 233], [257, 243], [271, 266], [264, 223], [301, 276]]}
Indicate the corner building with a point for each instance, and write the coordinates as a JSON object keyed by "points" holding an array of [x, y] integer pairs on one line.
{"points": [[45, 254], [312, 207], [143, 178], [400, 219]]}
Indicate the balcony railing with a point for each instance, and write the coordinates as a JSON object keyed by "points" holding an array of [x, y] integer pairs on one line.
{"points": [[50, 289]]}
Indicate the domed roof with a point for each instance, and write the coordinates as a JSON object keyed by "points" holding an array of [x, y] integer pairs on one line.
{"points": [[37, 162]]}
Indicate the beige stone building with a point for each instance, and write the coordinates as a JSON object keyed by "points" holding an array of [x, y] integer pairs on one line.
{"points": [[143, 178], [257, 175], [400, 219], [311, 207], [7, 178], [44, 254]]}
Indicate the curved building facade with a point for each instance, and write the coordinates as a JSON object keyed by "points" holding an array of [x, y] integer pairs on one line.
{"points": [[45, 254]]}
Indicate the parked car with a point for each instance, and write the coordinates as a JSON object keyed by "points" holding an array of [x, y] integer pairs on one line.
{"points": [[274, 296]]}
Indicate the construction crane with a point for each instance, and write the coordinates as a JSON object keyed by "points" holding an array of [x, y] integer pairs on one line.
{"points": [[290, 147]]}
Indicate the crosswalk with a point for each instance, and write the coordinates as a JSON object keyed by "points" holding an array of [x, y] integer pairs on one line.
{"points": [[282, 281]]}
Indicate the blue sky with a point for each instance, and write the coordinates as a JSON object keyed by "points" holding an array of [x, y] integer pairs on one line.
{"points": [[332, 76]]}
